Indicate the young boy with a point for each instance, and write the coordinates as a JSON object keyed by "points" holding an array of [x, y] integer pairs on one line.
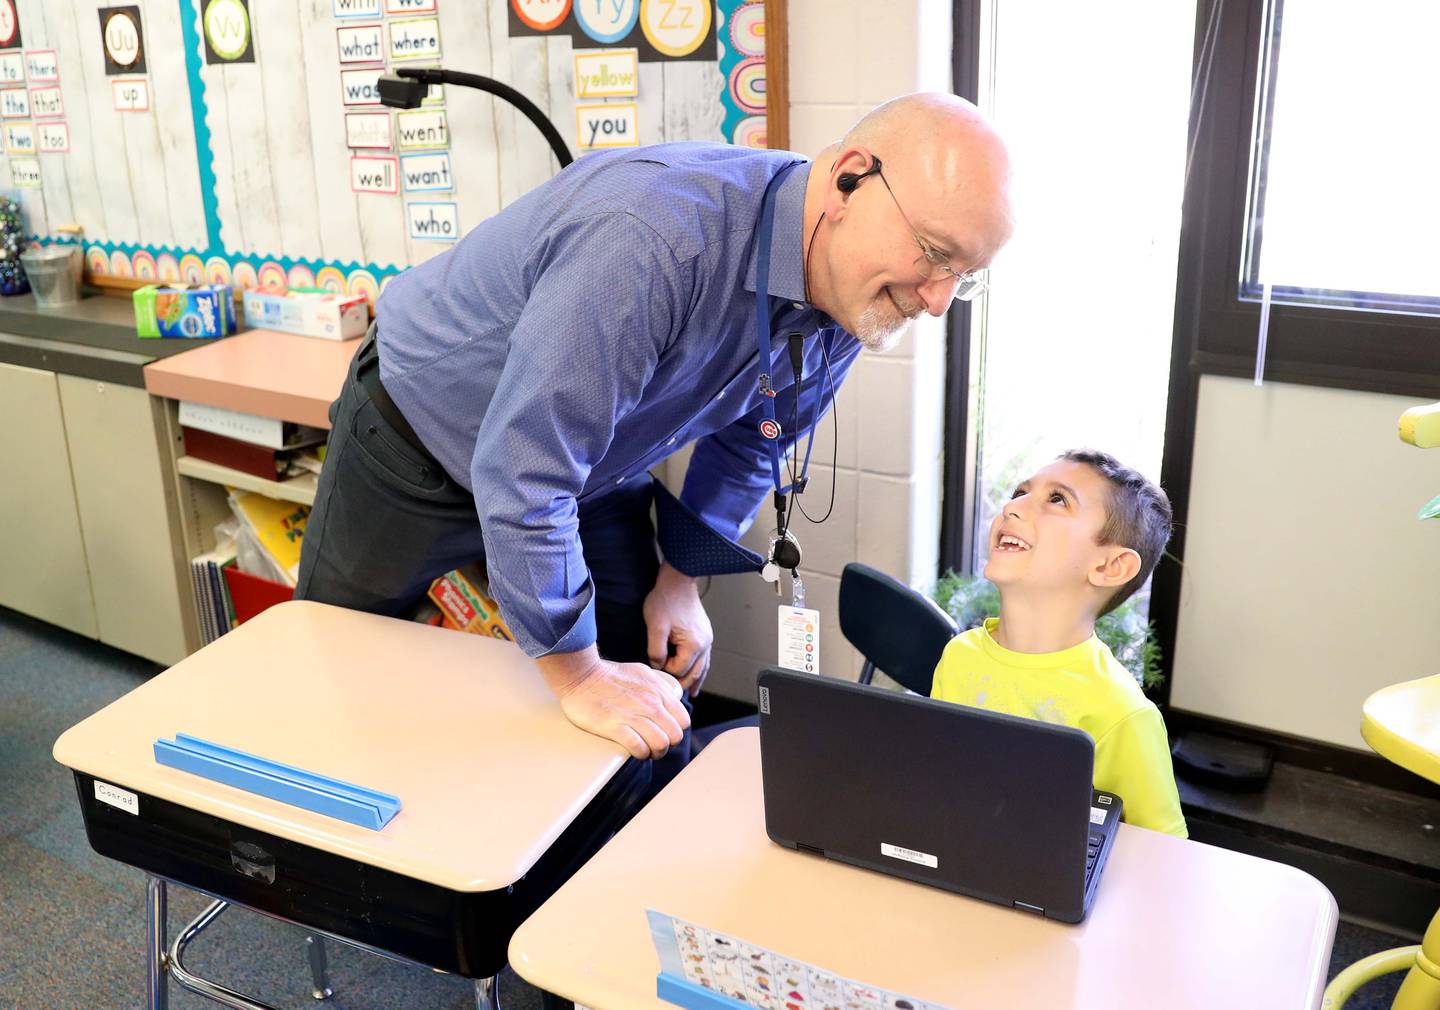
{"points": [[1073, 543]]}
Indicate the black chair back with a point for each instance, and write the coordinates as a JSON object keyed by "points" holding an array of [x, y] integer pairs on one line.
{"points": [[898, 630]]}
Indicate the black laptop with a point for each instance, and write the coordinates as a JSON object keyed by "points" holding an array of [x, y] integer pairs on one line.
{"points": [[989, 805]]}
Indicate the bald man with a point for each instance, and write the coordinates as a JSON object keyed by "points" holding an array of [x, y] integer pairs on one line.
{"points": [[516, 389]]}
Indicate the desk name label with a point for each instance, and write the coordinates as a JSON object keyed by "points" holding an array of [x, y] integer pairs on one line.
{"points": [[121, 799]]}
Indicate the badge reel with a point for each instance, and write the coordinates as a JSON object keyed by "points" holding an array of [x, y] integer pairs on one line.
{"points": [[798, 627], [784, 556]]}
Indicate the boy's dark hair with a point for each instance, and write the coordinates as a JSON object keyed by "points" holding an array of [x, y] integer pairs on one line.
{"points": [[1138, 516]]}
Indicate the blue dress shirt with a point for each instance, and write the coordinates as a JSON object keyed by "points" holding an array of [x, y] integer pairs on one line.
{"points": [[588, 331]]}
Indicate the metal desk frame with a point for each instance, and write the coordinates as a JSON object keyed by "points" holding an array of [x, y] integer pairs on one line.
{"points": [[163, 962]]}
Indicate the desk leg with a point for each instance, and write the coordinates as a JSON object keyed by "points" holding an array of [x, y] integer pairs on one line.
{"points": [[487, 993], [319, 972], [156, 997]]}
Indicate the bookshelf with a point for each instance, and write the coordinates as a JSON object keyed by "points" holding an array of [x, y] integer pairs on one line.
{"points": [[297, 489]]}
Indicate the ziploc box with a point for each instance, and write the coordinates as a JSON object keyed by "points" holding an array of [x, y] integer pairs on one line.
{"points": [[310, 312], [183, 310]]}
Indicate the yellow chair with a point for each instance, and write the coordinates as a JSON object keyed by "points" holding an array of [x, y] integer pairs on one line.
{"points": [[1402, 724]]}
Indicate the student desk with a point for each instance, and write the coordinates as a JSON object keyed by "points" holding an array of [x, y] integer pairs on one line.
{"points": [[502, 797], [1175, 923]]}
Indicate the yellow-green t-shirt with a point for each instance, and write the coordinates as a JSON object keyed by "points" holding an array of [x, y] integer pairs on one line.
{"points": [[1085, 687]]}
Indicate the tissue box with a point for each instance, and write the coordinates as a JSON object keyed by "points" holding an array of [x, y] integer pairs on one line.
{"points": [[181, 310], [310, 312]]}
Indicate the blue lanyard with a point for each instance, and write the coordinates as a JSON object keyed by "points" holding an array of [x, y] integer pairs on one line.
{"points": [[769, 427]]}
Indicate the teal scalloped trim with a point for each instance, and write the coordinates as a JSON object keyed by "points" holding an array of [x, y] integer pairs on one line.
{"points": [[190, 31], [315, 266]]}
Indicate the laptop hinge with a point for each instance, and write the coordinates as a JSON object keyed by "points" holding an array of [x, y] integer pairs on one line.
{"points": [[1027, 907]]}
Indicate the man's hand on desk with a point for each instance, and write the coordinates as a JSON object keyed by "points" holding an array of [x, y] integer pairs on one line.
{"points": [[675, 616], [637, 707]]}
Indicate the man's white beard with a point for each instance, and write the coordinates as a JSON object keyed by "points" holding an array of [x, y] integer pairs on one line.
{"points": [[878, 332]]}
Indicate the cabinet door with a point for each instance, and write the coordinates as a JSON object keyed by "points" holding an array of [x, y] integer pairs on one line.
{"points": [[42, 554], [125, 497]]}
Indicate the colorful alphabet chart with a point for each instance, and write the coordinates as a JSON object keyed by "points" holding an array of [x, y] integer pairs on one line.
{"points": [[697, 965], [241, 142]]}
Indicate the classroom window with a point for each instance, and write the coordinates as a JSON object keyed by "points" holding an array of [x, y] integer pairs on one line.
{"points": [[1343, 201], [1312, 168], [1073, 340]]}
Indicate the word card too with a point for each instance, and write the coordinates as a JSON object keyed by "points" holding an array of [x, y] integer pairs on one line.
{"points": [[53, 138]]}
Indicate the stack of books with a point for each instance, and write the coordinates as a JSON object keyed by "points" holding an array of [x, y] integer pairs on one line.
{"points": [[211, 598], [254, 566], [264, 447]]}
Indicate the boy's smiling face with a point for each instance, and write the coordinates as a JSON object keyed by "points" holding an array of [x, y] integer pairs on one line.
{"points": [[1046, 538]]}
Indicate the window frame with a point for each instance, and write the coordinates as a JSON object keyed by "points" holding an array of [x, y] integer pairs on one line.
{"points": [[1216, 329], [962, 349]]}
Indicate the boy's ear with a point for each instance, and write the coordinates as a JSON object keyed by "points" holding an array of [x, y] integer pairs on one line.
{"points": [[1120, 565]]}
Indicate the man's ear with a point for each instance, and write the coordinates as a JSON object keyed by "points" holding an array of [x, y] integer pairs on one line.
{"points": [[855, 160], [1118, 566]]}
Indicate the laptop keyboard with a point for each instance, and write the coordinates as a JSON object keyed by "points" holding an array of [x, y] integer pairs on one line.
{"points": [[1102, 807], [1092, 852]]}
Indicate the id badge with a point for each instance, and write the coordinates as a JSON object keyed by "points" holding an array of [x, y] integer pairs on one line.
{"points": [[799, 639]]}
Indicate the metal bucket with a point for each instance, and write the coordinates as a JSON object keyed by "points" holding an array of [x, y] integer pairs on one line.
{"points": [[54, 274]]}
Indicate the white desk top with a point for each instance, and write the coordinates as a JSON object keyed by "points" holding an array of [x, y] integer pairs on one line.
{"points": [[1175, 923], [460, 727]]}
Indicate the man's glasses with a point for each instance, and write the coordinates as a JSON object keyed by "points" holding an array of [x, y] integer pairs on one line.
{"points": [[931, 264]]}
